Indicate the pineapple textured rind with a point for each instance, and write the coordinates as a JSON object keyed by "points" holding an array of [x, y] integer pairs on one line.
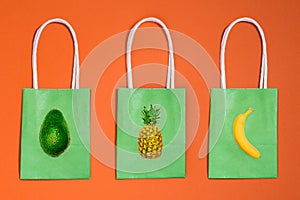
{"points": [[150, 142]]}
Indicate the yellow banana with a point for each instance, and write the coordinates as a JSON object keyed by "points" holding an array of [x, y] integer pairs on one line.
{"points": [[239, 134]]}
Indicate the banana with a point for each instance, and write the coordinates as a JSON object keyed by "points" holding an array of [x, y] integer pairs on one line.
{"points": [[239, 134]]}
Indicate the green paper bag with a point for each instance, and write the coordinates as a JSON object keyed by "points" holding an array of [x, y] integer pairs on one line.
{"points": [[55, 139], [150, 125], [243, 125]]}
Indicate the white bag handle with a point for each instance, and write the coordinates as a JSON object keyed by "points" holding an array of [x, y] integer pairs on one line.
{"points": [[75, 76], [264, 63], [170, 77]]}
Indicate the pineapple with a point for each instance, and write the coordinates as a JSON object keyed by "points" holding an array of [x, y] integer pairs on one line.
{"points": [[150, 137]]}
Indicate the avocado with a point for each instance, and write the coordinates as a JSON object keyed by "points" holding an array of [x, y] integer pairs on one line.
{"points": [[54, 133]]}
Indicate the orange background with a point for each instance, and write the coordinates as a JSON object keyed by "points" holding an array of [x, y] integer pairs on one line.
{"points": [[204, 21]]}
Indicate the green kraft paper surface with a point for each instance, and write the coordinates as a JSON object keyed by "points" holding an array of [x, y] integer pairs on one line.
{"points": [[74, 162], [171, 163], [226, 158]]}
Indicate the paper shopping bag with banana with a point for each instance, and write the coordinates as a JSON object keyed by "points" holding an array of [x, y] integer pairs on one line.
{"points": [[243, 125]]}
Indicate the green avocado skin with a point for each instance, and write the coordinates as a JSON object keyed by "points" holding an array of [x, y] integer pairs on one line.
{"points": [[54, 133]]}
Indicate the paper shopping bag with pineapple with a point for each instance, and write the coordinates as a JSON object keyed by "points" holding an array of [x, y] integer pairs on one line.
{"points": [[150, 125], [243, 125]]}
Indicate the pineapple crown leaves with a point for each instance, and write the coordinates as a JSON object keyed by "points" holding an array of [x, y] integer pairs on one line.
{"points": [[151, 115]]}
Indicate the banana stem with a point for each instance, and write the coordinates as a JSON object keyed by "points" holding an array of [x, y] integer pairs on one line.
{"points": [[248, 112]]}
